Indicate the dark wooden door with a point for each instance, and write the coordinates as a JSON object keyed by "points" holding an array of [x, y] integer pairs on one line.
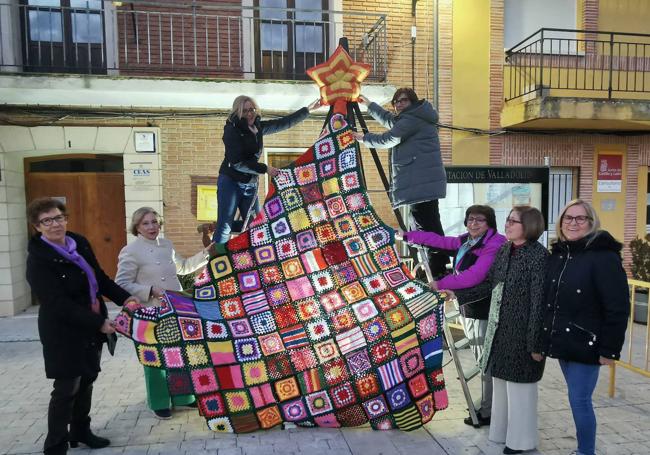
{"points": [[95, 203]]}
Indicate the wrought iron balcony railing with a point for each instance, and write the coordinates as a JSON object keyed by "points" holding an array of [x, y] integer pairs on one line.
{"points": [[574, 62], [207, 39]]}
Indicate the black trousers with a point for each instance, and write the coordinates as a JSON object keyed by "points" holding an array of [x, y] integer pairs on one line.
{"points": [[70, 403], [427, 218]]}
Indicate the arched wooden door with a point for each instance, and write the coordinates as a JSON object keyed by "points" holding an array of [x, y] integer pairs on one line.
{"points": [[92, 187]]}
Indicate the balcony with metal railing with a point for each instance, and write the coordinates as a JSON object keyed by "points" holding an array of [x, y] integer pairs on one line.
{"points": [[576, 75], [580, 63], [207, 39]]}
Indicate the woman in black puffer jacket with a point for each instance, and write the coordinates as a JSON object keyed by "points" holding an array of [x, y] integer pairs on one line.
{"points": [[587, 308]]}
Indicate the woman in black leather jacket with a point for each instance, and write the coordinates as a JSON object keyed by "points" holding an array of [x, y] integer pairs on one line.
{"points": [[587, 308], [243, 138]]}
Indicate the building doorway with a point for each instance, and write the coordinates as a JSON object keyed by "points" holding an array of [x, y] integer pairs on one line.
{"points": [[92, 187]]}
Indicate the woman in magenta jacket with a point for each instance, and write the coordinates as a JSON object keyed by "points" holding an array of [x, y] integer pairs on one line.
{"points": [[473, 254]]}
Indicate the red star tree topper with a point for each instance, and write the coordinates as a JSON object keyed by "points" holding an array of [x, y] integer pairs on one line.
{"points": [[339, 78]]}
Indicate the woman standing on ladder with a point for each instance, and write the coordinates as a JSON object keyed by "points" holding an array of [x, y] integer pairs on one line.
{"points": [[418, 175], [243, 138]]}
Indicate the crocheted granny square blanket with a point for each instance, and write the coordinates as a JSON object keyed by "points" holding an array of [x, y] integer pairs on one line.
{"points": [[308, 317]]}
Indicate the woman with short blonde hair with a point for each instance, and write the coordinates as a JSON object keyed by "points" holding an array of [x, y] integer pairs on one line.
{"points": [[594, 221], [137, 216], [147, 268], [587, 306], [243, 138], [238, 106]]}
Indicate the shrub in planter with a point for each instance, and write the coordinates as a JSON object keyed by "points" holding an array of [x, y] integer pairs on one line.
{"points": [[640, 249]]}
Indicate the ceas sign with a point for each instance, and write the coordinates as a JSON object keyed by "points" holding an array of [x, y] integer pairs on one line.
{"points": [[141, 177], [141, 172]]}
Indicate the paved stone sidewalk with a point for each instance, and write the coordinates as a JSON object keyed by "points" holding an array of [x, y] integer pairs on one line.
{"points": [[119, 412]]}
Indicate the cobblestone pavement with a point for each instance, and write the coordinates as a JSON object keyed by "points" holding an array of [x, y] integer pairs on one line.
{"points": [[119, 412]]}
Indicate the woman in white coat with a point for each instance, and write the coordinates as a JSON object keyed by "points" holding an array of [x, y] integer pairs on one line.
{"points": [[147, 267]]}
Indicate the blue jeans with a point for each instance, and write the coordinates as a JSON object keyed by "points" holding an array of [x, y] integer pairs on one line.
{"points": [[233, 195], [581, 379]]}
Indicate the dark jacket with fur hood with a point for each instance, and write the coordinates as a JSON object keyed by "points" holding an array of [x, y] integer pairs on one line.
{"points": [[244, 148], [587, 299]]}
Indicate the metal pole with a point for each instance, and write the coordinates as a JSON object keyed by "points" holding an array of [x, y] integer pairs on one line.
{"points": [[378, 164], [611, 65], [541, 65]]}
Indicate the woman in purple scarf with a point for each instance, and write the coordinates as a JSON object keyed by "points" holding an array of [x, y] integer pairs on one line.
{"points": [[73, 321]]}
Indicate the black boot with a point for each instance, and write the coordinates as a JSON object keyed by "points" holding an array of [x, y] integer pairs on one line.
{"points": [[61, 449], [482, 421], [91, 440]]}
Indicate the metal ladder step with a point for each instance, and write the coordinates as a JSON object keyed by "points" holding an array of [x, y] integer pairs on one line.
{"points": [[461, 344], [453, 314], [473, 372], [453, 346]]}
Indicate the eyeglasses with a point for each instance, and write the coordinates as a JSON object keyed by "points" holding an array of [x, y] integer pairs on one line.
{"points": [[60, 219], [512, 221], [252, 110], [580, 219], [403, 99], [472, 219]]}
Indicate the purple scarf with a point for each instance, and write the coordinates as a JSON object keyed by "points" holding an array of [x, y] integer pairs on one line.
{"points": [[70, 253]]}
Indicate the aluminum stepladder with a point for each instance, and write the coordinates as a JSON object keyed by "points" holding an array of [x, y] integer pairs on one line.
{"points": [[452, 320]]}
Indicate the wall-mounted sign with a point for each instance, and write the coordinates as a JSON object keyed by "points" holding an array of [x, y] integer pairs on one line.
{"points": [[144, 141], [206, 202], [142, 176], [141, 172], [610, 173], [496, 186]]}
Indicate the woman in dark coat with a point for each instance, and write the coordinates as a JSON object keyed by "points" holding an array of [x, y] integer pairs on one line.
{"points": [[511, 353], [243, 138], [587, 309], [418, 174], [73, 321]]}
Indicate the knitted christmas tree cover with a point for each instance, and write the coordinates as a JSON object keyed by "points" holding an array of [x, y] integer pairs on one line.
{"points": [[308, 317]]}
